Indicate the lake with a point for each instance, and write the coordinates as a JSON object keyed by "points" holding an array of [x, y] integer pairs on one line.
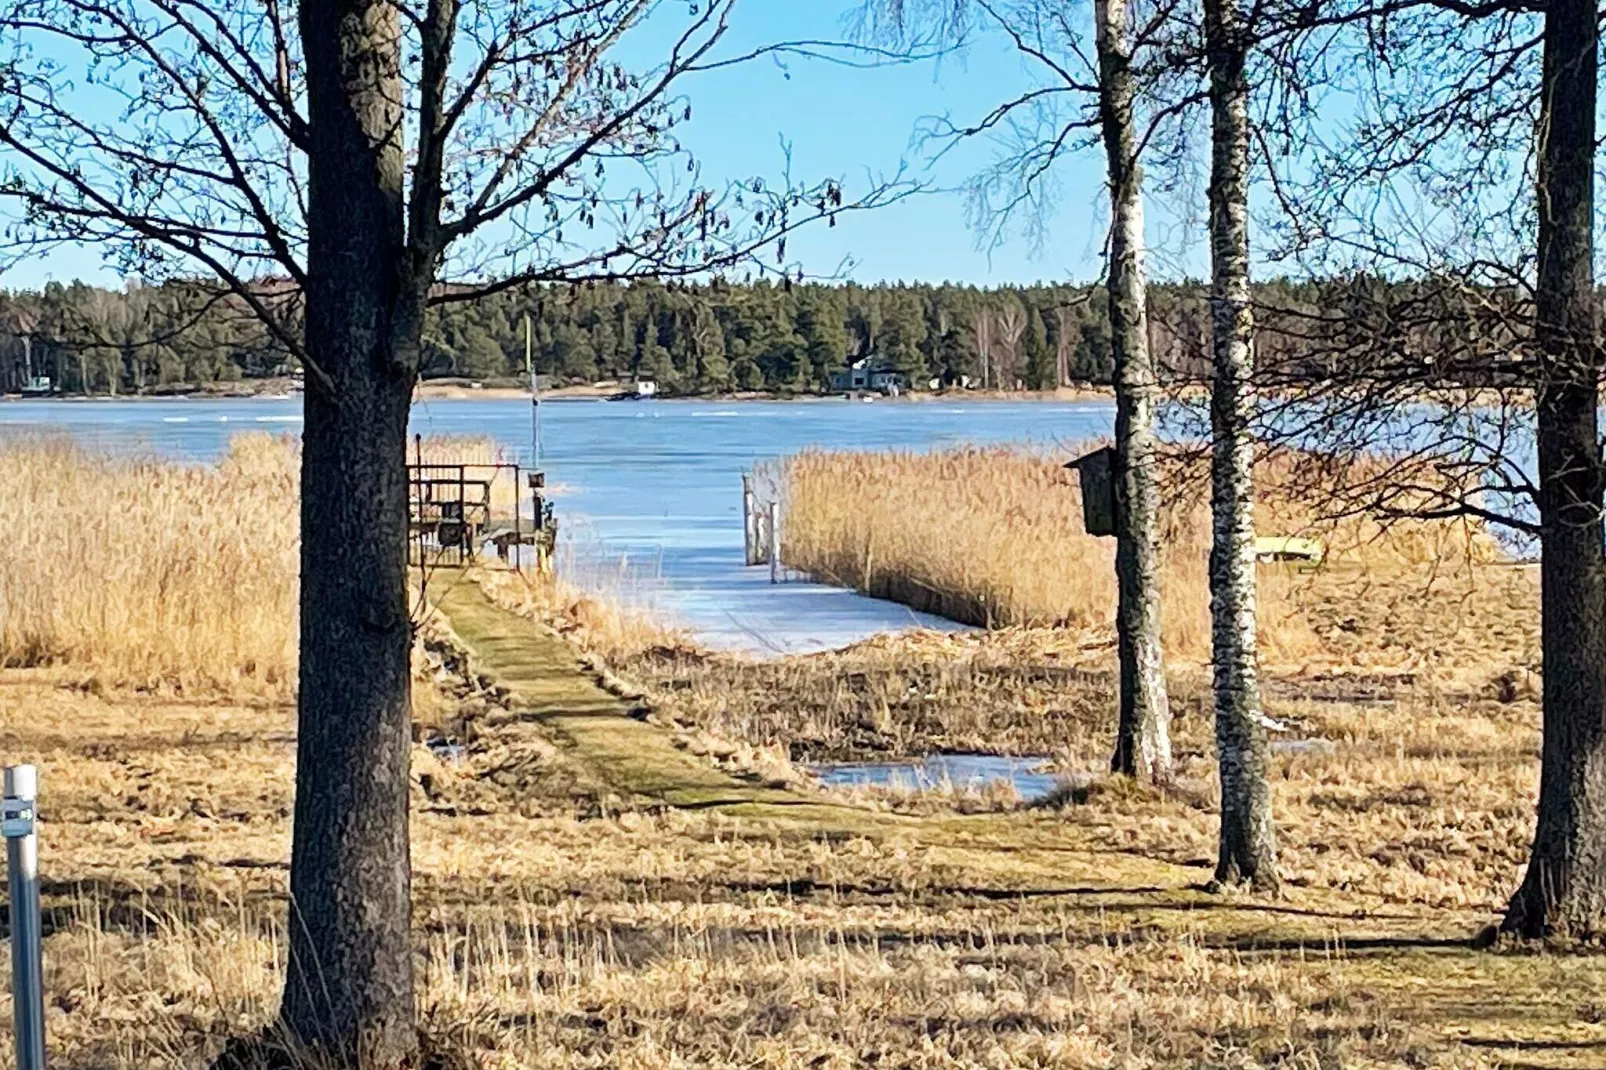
{"points": [[648, 493]]}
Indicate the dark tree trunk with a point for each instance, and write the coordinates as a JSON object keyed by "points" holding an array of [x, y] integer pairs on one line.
{"points": [[1143, 739], [349, 992], [1248, 844], [1564, 892]]}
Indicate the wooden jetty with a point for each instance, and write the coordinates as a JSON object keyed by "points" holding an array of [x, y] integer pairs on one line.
{"points": [[455, 516]]}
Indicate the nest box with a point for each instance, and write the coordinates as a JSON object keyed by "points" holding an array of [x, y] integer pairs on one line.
{"points": [[1097, 473]]}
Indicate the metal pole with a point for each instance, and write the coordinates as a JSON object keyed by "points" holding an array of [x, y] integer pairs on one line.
{"points": [[17, 820], [535, 395], [775, 542], [517, 549]]}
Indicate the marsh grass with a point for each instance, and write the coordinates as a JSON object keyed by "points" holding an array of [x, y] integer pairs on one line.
{"points": [[597, 614], [133, 570], [995, 536], [144, 571], [549, 935], [790, 984], [558, 924]]}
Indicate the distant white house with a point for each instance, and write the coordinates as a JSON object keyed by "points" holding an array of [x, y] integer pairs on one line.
{"points": [[872, 373], [646, 388]]}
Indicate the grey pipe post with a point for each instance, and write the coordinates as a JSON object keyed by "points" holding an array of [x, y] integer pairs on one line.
{"points": [[775, 542], [17, 821]]}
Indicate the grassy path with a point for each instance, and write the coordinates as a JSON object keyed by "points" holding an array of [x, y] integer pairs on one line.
{"points": [[1417, 964], [640, 761], [620, 749]]}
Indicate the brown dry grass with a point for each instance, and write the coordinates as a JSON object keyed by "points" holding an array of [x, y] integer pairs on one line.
{"points": [[1396, 789], [995, 535], [146, 572], [142, 571], [558, 928], [563, 921], [613, 631]]}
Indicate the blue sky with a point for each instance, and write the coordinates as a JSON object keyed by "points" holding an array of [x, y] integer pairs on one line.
{"points": [[842, 121], [851, 123]]}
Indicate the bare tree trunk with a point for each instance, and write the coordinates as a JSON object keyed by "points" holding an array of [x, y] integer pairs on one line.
{"points": [[1564, 892], [984, 340], [1248, 845], [1143, 743], [1062, 348], [349, 991], [1011, 325]]}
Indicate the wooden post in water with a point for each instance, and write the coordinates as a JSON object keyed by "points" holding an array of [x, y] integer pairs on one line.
{"points": [[749, 522], [775, 542]]}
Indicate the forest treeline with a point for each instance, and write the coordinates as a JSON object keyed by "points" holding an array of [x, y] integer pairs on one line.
{"points": [[692, 339]]}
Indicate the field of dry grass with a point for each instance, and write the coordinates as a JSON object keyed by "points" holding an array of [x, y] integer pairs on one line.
{"points": [[590, 892], [996, 536], [135, 571], [632, 877]]}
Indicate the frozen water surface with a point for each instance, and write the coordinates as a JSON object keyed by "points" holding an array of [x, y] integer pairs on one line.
{"points": [[648, 493]]}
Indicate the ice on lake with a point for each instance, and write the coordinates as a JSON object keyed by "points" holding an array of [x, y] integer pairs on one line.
{"points": [[652, 507]]}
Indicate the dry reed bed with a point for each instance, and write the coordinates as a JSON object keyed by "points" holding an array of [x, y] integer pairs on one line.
{"points": [[136, 570], [1396, 785], [650, 940], [1407, 793], [995, 536], [660, 940], [148, 571]]}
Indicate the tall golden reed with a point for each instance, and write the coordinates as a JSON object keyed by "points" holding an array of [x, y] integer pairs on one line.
{"points": [[150, 572], [995, 536]]}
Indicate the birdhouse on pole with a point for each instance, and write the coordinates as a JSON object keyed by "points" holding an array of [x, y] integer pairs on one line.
{"points": [[1097, 473]]}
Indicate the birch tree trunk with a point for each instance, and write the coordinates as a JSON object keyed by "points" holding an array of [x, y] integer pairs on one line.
{"points": [[1248, 845], [1564, 891], [1143, 741]]}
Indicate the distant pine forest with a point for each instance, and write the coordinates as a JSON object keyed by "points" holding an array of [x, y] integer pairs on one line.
{"points": [[690, 339]]}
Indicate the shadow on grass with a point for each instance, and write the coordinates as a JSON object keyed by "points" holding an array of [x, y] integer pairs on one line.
{"points": [[1535, 1045], [117, 906]]}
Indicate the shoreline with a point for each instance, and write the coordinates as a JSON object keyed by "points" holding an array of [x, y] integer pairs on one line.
{"points": [[453, 392]]}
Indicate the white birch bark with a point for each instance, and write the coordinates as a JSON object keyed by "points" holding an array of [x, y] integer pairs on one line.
{"points": [[1143, 741], [1247, 848]]}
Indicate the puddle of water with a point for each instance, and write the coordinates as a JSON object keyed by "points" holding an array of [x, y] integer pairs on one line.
{"points": [[978, 771], [446, 751], [964, 771]]}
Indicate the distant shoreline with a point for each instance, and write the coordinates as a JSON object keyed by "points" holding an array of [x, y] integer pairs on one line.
{"points": [[427, 392], [597, 392]]}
